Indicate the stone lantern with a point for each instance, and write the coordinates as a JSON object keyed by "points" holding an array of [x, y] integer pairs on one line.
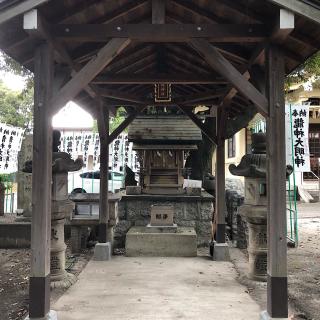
{"points": [[254, 210], [61, 207]]}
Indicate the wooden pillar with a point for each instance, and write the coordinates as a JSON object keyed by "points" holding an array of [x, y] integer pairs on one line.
{"points": [[103, 124], [41, 185], [277, 298], [220, 183]]}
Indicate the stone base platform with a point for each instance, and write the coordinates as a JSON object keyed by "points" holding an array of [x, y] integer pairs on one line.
{"points": [[52, 315], [142, 241], [221, 252], [265, 316], [189, 211], [66, 282]]}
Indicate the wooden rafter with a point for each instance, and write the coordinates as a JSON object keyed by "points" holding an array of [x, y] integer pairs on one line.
{"points": [[233, 51], [190, 7], [40, 29], [88, 72], [130, 57], [193, 117], [200, 96], [105, 92], [227, 70], [281, 31], [119, 13]]}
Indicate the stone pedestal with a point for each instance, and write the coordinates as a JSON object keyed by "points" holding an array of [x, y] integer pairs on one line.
{"points": [[52, 315], [161, 242], [61, 208], [102, 252], [254, 211], [189, 211], [221, 252], [265, 316]]}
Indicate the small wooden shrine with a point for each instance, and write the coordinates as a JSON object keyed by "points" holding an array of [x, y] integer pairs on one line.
{"points": [[163, 143]]}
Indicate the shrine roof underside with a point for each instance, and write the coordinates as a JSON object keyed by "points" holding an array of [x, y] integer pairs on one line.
{"points": [[239, 31]]}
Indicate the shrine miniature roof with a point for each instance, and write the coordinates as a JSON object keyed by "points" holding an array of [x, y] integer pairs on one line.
{"points": [[167, 130]]}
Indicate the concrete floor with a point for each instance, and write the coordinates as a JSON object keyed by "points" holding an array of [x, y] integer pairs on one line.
{"points": [[157, 288], [308, 210]]}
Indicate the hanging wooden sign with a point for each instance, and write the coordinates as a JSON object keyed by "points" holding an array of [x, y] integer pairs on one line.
{"points": [[162, 92]]}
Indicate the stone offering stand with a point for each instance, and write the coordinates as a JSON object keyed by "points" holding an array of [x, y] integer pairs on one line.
{"points": [[189, 211]]}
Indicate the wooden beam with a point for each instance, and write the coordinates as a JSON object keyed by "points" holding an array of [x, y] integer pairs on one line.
{"points": [[103, 128], [309, 11], [41, 185], [201, 96], [158, 11], [125, 123], [186, 78], [161, 32], [88, 72], [277, 297], [36, 26], [282, 29], [120, 95], [198, 123], [228, 71], [18, 9]]}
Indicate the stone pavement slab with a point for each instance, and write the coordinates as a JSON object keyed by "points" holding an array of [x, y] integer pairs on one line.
{"points": [[155, 288]]}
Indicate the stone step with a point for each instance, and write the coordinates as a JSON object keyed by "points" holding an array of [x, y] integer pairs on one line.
{"points": [[140, 241]]}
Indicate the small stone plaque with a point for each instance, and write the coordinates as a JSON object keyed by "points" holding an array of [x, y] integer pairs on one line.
{"points": [[161, 215], [133, 190]]}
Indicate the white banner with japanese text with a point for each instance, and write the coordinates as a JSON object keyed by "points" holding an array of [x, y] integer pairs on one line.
{"points": [[86, 145], [297, 137], [10, 144]]}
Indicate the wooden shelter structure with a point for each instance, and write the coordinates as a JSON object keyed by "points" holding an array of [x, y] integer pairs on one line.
{"points": [[227, 55]]}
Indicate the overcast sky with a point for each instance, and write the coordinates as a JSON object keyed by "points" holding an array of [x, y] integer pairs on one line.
{"points": [[71, 116]]}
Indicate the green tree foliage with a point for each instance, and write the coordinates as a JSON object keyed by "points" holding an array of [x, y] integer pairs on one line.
{"points": [[309, 69], [114, 121], [7, 64], [16, 108]]}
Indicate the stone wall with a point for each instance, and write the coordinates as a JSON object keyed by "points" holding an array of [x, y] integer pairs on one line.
{"points": [[190, 211], [15, 235]]}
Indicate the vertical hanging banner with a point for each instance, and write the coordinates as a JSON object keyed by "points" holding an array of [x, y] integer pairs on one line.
{"points": [[86, 144], [10, 144], [297, 137]]}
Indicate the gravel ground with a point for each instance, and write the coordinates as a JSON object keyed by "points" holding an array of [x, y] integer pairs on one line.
{"points": [[304, 263], [303, 268], [14, 280]]}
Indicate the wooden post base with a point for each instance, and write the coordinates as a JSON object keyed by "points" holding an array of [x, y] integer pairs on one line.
{"points": [[52, 315]]}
